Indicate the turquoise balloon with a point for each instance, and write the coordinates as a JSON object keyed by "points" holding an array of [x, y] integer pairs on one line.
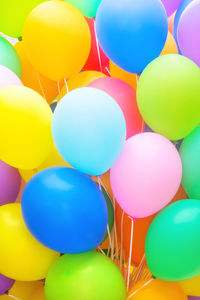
{"points": [[173, 242], [9, 57], [89, 130], [190, 156], [87, 7]]}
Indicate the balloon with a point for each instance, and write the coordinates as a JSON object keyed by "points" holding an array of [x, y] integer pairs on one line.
{"points": [[31, 78], [155, 289], [82, 79], [87, 7], [191, 286], [132, 33], [171, 6], [171, 23], [70, 207], [189, 152], [21, 256], [170, 104], [193, 298], [125, 96], [142, 179], [119, 73], [7, 77], [25, 118], [188, 26], [9, 57], [170, 46], [89, 130], [10, 181], [172, 243], [141, 227], [98, 278], [5, 284], [13, 15], [97, 60], [56, 51], [38, 294], [54, 159]]}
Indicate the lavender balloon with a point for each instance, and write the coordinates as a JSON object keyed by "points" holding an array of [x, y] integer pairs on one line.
{"points": [[171, 6], [5, 284], [188, 32], [8, 77], [10, 181]]}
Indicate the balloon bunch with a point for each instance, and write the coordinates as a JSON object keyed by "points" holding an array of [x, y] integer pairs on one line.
{"points": [[99, 150]]}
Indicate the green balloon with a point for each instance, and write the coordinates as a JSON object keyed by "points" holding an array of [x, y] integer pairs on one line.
{"points": [[87, 7], [173, 242], [168, 96], [13, 14], [9, 57], [190, 156], [85, 276]]}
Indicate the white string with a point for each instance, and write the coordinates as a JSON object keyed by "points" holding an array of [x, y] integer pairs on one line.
{"points": [[11, 296], [66, 85], [40, 84], [146, 283], [121, 252], [58, 84], [106, 68], [101, 251], [98, 50], [130, 252]]}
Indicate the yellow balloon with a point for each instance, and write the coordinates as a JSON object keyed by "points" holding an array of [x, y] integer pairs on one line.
{"points": [[22, 257], [54, 159], [191, 286], [170, 45], [81, 79], [57, 39], [23, 290], [25, 122]]}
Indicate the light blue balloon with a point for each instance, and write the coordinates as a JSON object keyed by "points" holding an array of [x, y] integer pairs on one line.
{"points": [[132, 32], [179, 12], [89, 130]]}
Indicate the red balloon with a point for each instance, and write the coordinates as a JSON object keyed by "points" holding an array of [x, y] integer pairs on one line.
{"points": [[96, 61], [125, 96]]}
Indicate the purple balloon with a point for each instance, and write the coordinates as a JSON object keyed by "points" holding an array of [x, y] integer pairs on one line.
{"points": [[171, 6], [5, 284], [193, 298], [10, 181], [188, 32]]}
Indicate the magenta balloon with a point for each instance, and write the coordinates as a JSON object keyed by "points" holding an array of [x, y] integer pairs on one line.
{"points": [[147, 175], [8, 77], [5, 284], [171, 6], [193, 298], [188, 32], [10, 181]]}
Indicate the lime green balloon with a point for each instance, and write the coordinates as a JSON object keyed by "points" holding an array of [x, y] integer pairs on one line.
{"points": [[13, 14], [190, 156], [168, 96], [87, 7], [86, 276], [9, 57], [173, 242]]}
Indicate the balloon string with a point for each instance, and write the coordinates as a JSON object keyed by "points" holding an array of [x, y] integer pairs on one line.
{"points": [[40, 84], [146, 283], [101, 251], [58, 84], [65, 81], [130, 253], [108, 71], [121, 246], [139, 270], [11, 296], [115, 232], [98, 50]]}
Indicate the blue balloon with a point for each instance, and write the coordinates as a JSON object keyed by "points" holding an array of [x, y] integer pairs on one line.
{"points": [[132, 32], [65, 210], [89, 130], [179, 12]]}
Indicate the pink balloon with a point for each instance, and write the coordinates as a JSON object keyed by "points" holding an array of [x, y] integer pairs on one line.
{"points": [[188, 32], [171, 6], [125, 96], [147, 174], [8, 77]]}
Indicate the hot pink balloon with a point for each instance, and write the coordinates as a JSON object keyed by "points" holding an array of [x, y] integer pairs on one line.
{"points": [[8, 77], [147, 174], [125, 96], [171, 6], [188, 32]]}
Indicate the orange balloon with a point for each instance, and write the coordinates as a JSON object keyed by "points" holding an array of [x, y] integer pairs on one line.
{"points": [[19, 196], [170, 45], [31, 78], [82, 79], [171, 22], [155, 289], [119, 73]]}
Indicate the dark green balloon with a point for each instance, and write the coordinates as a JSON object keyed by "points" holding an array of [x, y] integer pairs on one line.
{"points": [[173, 242], [110, 211], [190, 156]]}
